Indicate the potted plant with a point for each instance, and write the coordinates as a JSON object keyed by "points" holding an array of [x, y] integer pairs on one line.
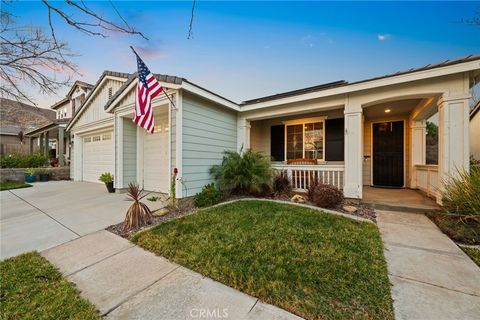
{"points": [[44, 174], [107, 178], [30, 175]]}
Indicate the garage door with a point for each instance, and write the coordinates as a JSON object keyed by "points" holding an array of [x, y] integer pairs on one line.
{"points": [[155, 157], [98, 155]]}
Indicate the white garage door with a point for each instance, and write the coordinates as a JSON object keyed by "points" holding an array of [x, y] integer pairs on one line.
{"points": [[155, 157], [98, 155]]}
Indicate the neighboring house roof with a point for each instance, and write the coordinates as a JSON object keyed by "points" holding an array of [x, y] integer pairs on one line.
{"points": [[94, 88], [345, 83], [17, 116], [475, 110], [80, 84], [59, 103], [48, 126]]}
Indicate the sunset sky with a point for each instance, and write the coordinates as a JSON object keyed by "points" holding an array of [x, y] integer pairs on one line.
{"points": [[243, 50]]}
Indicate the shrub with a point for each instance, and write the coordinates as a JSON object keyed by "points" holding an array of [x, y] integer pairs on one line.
{"points": [[138, 214], [461, 195], [30, 171], [106, 177], [326, 196], [281, 184], [243, 173], [208, 196], [23, 161], [43, 171]]}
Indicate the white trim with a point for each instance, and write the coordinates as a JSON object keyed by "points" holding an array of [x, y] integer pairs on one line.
{"points": [[169, 152], [94, 126], [404, 149], [140, 136], [370, 84], [119, 164], [210, 96], [179, 141], [303, 122]]}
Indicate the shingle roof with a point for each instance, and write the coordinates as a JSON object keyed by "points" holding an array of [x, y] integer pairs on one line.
{"points": [[345, 83], [17, 116]]}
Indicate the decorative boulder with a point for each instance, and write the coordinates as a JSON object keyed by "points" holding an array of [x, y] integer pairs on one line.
{"points": [[298, 198], [350, 209]]}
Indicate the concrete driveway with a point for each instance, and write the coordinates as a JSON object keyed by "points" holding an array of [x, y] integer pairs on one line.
{"points": [[52, 213]]}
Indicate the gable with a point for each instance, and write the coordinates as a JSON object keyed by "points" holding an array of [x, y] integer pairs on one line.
{"points": [[94, 111]]}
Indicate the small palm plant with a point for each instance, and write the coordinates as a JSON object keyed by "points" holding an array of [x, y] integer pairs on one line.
{"points": [[138, 214]]}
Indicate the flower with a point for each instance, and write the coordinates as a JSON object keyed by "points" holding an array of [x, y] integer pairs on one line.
{"points": [[175, 170]]}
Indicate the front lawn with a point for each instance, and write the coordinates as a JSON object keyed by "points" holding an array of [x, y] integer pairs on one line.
{"points": [[31, 288], [313, 264], [13, 185]]}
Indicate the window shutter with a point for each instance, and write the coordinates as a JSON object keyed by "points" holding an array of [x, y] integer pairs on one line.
{"points": [[277, 142], [334, 139]]}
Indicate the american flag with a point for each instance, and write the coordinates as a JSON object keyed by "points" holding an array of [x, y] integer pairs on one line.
{"points": [[147, 88]]}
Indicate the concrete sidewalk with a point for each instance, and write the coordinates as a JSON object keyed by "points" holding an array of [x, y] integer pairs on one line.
{"points": [[432, 278], [126, 282]]}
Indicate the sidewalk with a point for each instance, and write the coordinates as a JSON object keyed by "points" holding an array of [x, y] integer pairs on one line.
{"points": [[432, 278], [127, 282]]}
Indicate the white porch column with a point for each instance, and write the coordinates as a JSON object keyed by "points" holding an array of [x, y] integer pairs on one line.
{"points": [[61, 146], [77, 158], [453, 140], [353, 151], [419, 148], [243, 134]]}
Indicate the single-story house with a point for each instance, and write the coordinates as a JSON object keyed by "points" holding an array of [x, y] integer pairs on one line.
{"points": [[475, 131], [369, 132]]}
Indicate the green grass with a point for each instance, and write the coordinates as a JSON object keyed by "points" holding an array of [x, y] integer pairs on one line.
{"points": [[313, 264], [31, 288], [473, 253], [466, 232], [13, 185]]}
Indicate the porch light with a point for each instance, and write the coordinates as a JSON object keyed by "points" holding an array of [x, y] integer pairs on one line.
{"points": [[388, 110]]}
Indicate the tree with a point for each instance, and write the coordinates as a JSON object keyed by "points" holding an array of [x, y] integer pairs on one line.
{"points": [[35, 58]]}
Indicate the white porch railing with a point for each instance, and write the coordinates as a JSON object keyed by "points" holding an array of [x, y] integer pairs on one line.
{"points": [[301, 176], [426, 177]]}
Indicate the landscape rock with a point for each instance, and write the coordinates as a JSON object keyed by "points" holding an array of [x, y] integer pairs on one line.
{"points": [[298, 198], [349, 208]]}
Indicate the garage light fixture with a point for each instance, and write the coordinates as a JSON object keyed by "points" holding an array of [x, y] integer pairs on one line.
{"points": [[388, 110]]}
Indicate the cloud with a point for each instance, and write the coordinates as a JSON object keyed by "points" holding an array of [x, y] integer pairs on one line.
{"points": [[150, 52], [383, 37]]}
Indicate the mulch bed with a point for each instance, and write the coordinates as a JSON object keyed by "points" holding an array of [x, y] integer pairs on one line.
{"points": [[186, 206]]}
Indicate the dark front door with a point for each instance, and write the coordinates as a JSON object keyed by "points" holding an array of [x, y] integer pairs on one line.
{"points": [[388, 154]]}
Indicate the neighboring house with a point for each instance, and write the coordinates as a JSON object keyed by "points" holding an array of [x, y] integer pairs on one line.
{"points": [[366, 133], [16, 119], [52, 135], [475, 131]]}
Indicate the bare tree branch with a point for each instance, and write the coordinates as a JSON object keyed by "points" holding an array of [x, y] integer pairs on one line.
{"points": [[190, 28]]}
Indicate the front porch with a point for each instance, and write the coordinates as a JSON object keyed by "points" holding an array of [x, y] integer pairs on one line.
{"points": [[52, 142], [359, 146]]}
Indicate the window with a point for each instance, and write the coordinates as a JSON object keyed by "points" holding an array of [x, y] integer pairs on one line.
{"points": [[305, 139], [95, 138], [110, 93], [106, 136], [87, 139]]}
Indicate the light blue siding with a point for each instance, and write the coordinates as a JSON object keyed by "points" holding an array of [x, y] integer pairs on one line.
{"points": [[208, 130], [129, 151]]}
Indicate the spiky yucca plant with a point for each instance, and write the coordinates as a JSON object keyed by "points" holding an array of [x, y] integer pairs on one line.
{"points": [[461, 195], [138, 214]]}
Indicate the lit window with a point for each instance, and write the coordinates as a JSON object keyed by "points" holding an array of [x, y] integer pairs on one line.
{"points": [[305, 140]]}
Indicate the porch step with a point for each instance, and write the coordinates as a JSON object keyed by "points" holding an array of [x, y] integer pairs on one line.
{"points": [[402, 207]]}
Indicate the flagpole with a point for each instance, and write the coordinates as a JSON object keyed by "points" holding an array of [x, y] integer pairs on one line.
{"points": [[166, 95]]}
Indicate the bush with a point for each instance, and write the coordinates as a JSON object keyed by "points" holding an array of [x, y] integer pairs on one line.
{"points": [[461, 195], [23, 161], [326, 196], [208, 196], [281, 184], [246, 172]]}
